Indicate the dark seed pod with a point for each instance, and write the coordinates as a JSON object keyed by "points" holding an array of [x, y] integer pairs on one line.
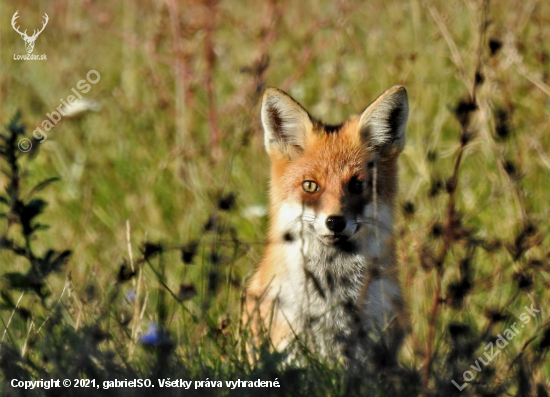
{"points": [[494, 45], [495, 315], [149, 250], [188, 252], [227, 202], [408, 208], [457, 330], [186, 292], [524, 281], [125, 273]]}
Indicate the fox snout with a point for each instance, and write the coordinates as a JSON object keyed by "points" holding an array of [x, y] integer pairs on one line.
{"points": [[334, 229], [340, 206], [336, 223]]}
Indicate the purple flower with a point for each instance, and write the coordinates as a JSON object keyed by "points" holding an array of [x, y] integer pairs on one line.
{"points": [[155, 336]]}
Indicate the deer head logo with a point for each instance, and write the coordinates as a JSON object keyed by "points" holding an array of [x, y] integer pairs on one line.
{"points": [[29, 41]]}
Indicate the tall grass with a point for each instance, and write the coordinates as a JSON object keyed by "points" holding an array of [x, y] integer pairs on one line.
{"points": [[155, 189]]}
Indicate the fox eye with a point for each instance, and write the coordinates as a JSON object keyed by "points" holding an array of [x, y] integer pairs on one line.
{"points": [[310, 186], [356, 185]]}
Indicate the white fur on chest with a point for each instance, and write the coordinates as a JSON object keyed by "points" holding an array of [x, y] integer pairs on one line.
{"points": [[317, 284]]}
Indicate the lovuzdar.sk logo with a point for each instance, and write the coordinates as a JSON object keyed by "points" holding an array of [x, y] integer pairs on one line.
{"points": [[29, 40]]}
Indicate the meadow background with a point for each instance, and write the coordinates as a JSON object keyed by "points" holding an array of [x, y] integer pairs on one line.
{"points": [[161, 190]]}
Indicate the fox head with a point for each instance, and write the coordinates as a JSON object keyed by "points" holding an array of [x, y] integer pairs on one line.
{"points": [[333, 182]]}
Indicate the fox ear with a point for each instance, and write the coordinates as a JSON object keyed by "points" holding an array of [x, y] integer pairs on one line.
{"points": [[286, 124], [382, 124]]}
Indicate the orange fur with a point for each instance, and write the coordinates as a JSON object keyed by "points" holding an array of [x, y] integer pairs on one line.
{"points": [[313, 267]]}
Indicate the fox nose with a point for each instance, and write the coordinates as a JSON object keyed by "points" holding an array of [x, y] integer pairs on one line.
{"points": [[336, 223]]}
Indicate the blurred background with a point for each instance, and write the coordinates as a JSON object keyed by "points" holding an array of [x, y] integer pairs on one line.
{"points": [[163, 179]]}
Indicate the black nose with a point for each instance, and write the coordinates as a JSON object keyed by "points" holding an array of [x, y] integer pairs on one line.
{"points": [[336, 223]]}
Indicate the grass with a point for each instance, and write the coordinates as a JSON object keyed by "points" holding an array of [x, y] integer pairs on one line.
{"points": [[178, 131]]}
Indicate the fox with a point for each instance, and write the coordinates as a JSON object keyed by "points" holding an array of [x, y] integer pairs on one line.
{"points": [[329, 278]]}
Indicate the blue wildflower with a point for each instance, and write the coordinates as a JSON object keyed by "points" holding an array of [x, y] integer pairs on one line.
{"points": [[131, 296], [155, 336]]}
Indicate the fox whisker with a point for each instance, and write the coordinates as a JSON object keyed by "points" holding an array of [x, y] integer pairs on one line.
{"points": [[372, 224]]}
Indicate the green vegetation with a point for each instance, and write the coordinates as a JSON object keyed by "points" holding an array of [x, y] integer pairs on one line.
{"points": [[145, 226]]}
